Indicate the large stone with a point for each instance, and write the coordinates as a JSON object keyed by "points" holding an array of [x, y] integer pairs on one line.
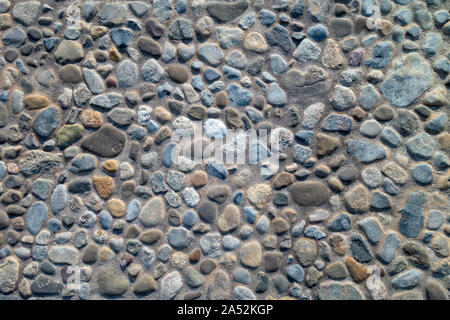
{"points": [[357, 199], [420, 147], [9, 274], [70, 74], [365, 151], [251, 254], [107, 142], [171, 285], [312, 82], [230, 219], [69, 52], [110, 281], [44, 285], [127, 73], [69, 134], [63, 254], [26, 12], [255, 42], [310, 193], [306, 251], [178, 73], [153, 213], [332, 290], [38, 161], [326, 144], [94, 81], [259, 194], [145, 284], [35, 101], [149, 46], [211, 54], [113, 14], [409, 78], [219, 288], [226, 11]]}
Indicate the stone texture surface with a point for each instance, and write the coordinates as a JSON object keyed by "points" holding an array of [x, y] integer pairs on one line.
{"points": [[102, 177]]}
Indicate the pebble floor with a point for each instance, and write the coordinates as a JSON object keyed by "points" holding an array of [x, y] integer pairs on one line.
{"points": [[353, 92]]}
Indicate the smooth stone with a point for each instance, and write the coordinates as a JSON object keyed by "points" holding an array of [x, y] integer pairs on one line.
{"points": [[107, 142], [226, 11], [110, 281], [309, 194]]}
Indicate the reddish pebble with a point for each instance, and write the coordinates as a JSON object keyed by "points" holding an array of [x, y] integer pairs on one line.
{"points": [[111, 82], [125, 260], [194, 256]]}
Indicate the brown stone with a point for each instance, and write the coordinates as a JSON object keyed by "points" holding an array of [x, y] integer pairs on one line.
{"points": [[221, 99], [91, 119], [199, 178], [70, 74], [385, 27], [335, 184], [309, 194], [282, 180], [233, 118], [35, 101], [337, 244], [326, 144], [358, 113], [230, 219], [444, 182], [116, 207], [104, 186], [195, 256], [149, 46], [162, 134], [98, 31], [110, 165], [162, 115], [114, 55], [150, 236], [279, 225], [178, 73], [444, 141], [357, 271]]}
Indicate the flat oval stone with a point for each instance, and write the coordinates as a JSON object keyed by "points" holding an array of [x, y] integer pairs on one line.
{"points": [[178, 73], [310, 193]]}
